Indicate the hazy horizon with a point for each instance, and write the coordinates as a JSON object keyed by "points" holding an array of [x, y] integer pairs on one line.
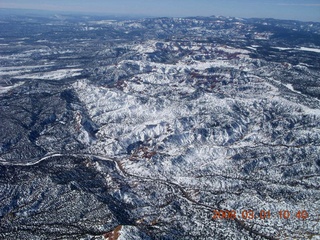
{"points": [[279, 9]]}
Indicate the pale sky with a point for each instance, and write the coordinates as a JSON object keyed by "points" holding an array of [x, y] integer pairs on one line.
{"points": [[305, 10]]}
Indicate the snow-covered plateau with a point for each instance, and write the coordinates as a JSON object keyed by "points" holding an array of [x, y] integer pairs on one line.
{"points": [[144, 129]]}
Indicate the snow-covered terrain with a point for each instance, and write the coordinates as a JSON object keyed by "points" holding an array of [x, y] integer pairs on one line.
{"points": [[141, 129], [53, 75]]}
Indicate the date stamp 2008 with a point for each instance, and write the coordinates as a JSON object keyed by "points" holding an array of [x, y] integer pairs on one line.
{"points": [[262, 214]]}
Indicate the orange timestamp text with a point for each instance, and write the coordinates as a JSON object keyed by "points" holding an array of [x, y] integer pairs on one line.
{"points": [[262, 214]]}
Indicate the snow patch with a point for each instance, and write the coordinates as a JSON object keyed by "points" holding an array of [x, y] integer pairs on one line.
{"points": [[316, 50], [7, 89], [53, 75]]}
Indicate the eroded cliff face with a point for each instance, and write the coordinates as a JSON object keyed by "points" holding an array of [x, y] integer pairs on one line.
{"points": [[143, 128]]}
